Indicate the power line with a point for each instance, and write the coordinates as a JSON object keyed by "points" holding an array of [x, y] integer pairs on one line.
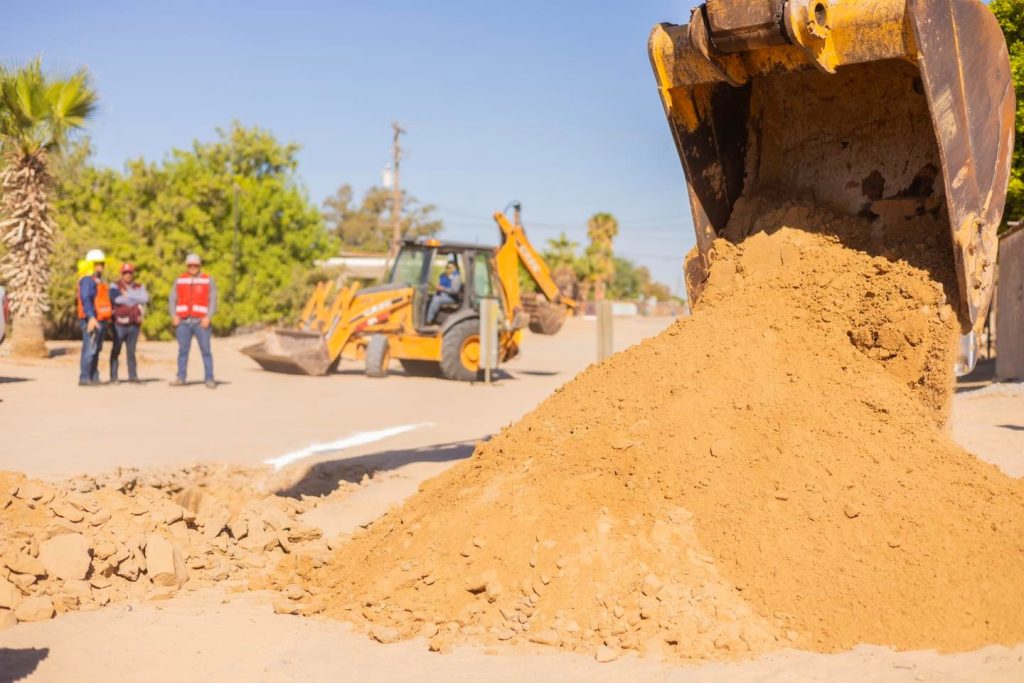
{"points": [[460, 213]]}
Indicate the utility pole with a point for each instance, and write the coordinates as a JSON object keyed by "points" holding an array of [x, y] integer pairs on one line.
{"points": [[396, 193], [235, 244]]}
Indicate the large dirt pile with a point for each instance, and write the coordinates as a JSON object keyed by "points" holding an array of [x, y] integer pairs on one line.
{"points": [[134, 535], [770, 472]]}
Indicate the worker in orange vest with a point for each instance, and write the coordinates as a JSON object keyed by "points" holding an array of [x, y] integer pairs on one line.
{"points": [[94, 313], [193, 302]]}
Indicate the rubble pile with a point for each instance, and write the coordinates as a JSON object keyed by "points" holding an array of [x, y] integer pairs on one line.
{"points": [[134, 535]]}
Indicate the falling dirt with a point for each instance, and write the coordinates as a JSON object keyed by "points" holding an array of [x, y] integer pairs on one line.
{"points": [[771, 472]]}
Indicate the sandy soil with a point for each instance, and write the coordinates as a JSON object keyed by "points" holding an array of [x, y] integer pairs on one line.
{"points": [[46, 430]]}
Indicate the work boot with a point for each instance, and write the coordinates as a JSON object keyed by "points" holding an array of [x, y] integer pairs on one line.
{"points": [[177, 382], [211, 384], [88, 383]]}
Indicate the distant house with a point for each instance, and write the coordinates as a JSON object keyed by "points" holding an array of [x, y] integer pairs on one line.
{"points": [[364, 266]]}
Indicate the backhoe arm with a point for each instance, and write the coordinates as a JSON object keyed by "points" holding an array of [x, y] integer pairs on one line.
{"points": [[531, 259]]}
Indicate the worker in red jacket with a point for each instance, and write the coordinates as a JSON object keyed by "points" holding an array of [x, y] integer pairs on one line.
{"points": [[193, 302], [130, 300]]}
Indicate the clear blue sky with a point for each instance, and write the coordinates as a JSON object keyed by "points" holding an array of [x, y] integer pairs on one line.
{"points": [[551, 103]]}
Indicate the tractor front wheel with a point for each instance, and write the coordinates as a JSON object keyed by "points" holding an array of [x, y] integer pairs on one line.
{"points": [[460, 351], [378, 354]]}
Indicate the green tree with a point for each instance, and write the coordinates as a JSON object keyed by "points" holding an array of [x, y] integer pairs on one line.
{"points": [[628, 281], [635, 282], [38, 112], [367, 227], [602, 228], [561, 252], [153, 214], [1010, 14], [563, 262]]}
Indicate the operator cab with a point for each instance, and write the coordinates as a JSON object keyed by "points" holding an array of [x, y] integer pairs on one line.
{"points": [[420, 265]]}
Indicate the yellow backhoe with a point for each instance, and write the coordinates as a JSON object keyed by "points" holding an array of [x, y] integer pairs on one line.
{"points": [[389, 320], [875, 108]]}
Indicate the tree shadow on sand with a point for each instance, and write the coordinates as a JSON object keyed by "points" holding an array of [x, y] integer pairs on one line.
{"points": [[324, 477]]}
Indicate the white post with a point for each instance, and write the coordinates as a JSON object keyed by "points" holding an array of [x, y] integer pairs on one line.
{"points": [[605, 347], [488, 337]]}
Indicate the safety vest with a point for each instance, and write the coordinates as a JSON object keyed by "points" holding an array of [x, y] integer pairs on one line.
{"points": [[104, 311], [193, 296]]}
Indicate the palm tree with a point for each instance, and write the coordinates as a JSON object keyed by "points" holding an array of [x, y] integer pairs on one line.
{"points": [[602, 228], [37, 114]]}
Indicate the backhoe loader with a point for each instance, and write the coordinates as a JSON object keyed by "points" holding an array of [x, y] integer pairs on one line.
{"points": [[876, 108], [389, 320]]}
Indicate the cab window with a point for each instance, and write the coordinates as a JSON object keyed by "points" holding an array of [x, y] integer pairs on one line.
{"points": [[408, 268], [483, 286]]}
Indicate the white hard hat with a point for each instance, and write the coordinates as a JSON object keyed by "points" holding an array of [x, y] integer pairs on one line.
{"points": [[95, 255], [193, 260]]}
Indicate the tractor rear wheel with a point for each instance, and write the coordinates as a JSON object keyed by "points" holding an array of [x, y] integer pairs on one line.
{"points": [[378, 354], [460, 351]]}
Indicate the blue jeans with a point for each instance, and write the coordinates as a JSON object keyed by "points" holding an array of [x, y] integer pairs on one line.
{"points": [[436, 302], [188, 328], [92, 344], [127, 336]]}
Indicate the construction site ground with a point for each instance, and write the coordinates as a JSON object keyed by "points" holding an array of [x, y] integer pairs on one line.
{"points": [[389, 435]]}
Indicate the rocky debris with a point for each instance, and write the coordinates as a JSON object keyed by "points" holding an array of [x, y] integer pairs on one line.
{"points": [[35, 608], [134, 535], [10, 596], [385, 634], [34, 492], [164, 564], [66, 556], [295, 599], [22, 563], [7, 619]]}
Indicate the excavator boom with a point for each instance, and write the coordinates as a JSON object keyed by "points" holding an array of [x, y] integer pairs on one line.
{"points": [[546, 316], [531, 259], [875, 108]]}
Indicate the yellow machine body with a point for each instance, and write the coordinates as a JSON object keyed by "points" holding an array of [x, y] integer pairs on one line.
{"points": [[343, 325]]}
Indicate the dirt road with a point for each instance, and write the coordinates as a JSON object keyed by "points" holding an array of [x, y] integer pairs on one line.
{"points": [[412, 428], [254, 416]]}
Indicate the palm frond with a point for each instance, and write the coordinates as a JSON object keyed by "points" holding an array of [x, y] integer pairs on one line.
{"points": [[72, 103], [37, 111]]}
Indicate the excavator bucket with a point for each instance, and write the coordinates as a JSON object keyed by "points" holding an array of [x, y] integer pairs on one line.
{"points": [[875, 108], [545, 317], [293, 352], [314, 347]]}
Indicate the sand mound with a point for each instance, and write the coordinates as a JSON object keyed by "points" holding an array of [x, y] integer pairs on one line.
{"points": [[770, 472]]}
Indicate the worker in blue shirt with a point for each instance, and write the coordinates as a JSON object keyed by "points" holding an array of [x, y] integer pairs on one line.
{"points": [[94, 313], [449, 288]]}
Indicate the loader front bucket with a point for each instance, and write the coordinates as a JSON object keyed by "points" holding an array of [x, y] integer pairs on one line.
{"points": [[884, 109], [293, 352]]}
